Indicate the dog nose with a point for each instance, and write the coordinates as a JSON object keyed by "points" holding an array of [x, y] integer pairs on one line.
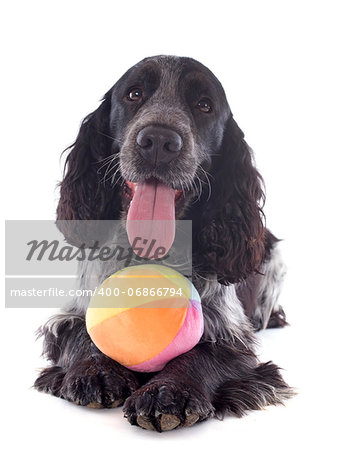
{"points": [[159, 144]]}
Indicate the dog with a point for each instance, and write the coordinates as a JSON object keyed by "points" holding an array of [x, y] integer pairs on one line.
{"points": [[166, 124]]}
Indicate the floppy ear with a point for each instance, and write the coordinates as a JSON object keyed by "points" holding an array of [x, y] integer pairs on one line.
{"points": [[83, 193], [232, 238]]}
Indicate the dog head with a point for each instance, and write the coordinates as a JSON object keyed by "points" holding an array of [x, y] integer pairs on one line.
{"points": [[165, 130]]}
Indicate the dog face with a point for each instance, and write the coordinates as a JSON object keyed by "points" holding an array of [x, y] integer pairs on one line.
{"points": [[165, 138], [167, 116]]}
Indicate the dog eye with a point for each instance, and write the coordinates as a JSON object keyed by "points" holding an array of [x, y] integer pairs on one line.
{"points": [[204, 105], [134, 95]]}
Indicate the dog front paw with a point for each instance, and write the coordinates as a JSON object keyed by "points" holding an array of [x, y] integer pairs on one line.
{"points": [[98, 382], [50, 380], [164, 405]]}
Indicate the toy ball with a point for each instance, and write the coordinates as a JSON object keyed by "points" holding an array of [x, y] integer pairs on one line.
{"points": [[144, 316]]}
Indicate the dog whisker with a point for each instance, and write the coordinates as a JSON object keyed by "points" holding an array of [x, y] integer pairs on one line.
{"points": [[111, 166], [207, 175], [113, 184], [108, 158], [110, 137], [109, 171], [197, 189]]}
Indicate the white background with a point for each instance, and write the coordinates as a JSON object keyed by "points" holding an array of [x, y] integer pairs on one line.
{"points": [[277, 62]]}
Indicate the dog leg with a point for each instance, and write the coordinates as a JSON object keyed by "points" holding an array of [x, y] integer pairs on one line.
{"points": [[210, 380], [80, 373]]}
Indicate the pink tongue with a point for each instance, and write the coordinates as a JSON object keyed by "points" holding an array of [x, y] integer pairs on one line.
{"points": [[151, 217]]}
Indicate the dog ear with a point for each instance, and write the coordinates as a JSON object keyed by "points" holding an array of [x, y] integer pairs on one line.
{"points": [[231, 240], [84, 194]]}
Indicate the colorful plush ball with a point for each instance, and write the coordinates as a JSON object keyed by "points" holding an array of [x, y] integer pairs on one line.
{"points": [[144, 316]]}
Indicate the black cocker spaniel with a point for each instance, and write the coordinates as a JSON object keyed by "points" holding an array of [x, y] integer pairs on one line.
{"points": [[166, 130]]}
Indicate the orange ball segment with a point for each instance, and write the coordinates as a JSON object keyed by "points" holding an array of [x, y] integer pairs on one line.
{"points": [[144, 316]]}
